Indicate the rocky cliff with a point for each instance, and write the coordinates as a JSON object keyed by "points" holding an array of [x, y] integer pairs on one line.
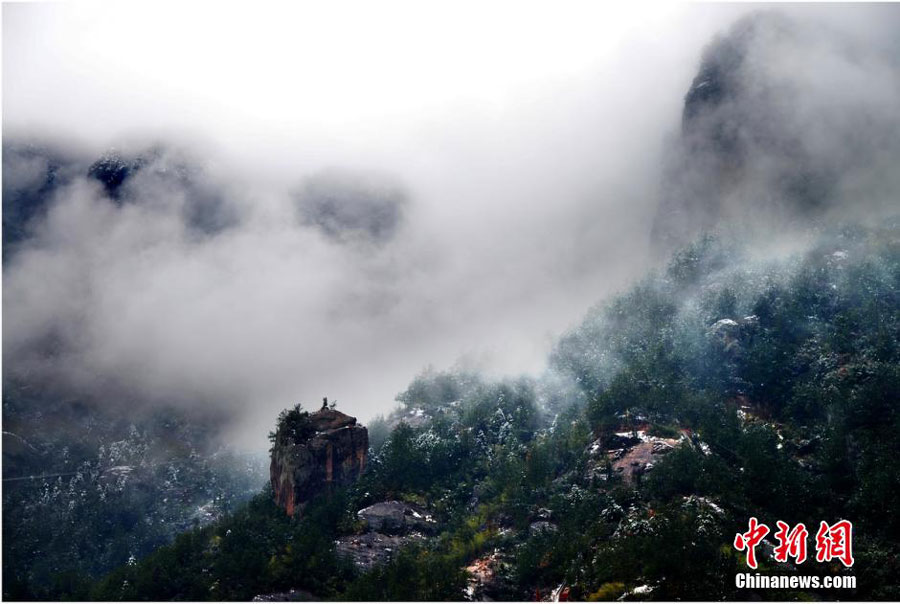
{"points": [[313, 453], [772, 136]]}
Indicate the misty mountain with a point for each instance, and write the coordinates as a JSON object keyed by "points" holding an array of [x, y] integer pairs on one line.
{"points": [[35, 173], [112, 171], [720, 388], [159, 308], [31, 174], [161, 175], [769, 141], [347, 205]]}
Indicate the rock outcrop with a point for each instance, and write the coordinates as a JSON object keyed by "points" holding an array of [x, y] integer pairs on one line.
{"points": [[490, 579], [629, 455], [368, 550], [396, 518], [388, 526], [313, 453]]}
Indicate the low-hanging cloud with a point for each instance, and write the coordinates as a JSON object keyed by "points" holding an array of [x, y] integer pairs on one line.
{"points": [[348, 205], [272, 259]]}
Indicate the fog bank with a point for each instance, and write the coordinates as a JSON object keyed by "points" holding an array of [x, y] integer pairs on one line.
{"points": [[320, 200]]}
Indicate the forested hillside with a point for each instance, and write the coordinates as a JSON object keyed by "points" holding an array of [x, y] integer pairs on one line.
{"points": [[757, 385], [85, 490], [721, 184]]}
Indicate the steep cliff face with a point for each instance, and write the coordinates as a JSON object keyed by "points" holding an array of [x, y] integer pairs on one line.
{"points": [[773, 136], [738, 133], [314, 453]]}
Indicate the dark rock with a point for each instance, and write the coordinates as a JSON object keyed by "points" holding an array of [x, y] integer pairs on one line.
{"points": [[620, 441], [371, 549], [385, 517], [756, 145], [728, 333], [390, 526], [112, 170], [396, 518], [541, 526], [330, 452]]}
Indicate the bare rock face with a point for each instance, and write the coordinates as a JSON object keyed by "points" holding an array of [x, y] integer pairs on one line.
{"points": [[750, 148], [314, 453], [369, 550], [389, 525], [396, 518]]}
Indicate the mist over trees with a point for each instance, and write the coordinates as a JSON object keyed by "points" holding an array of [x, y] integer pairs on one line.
{"points": [[776, 380], [163, 303]]}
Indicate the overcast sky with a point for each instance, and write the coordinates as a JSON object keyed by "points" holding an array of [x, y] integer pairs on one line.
{"points": [[524, 140]]}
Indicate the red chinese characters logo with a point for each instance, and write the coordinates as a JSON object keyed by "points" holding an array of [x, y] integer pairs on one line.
{"points": [[791, 544], [833, 541], [749, 540]]}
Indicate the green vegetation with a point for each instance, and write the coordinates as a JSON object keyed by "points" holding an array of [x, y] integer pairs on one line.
{"points": [[293, 425], [780, 380], [257, 549], [118, 488]]}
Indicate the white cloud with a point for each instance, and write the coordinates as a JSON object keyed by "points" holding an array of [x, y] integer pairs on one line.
{"points": [[527, 135]]}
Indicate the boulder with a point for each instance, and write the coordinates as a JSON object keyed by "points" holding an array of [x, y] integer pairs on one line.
{"points": [[395, 518], [541, 526]]}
